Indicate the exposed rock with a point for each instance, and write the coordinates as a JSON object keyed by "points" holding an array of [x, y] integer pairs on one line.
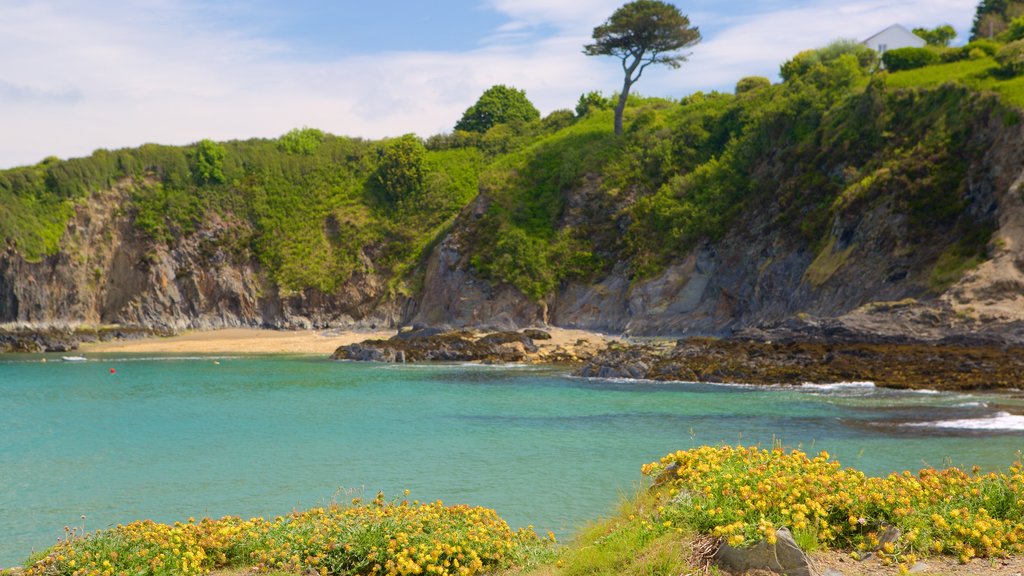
{"points": [[108, 272], [432, 345], [36, 339], [918, 365], [783, 557]]}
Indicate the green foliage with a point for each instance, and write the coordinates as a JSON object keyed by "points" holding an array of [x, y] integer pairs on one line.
{"points": [[812, 62], [939, 36], [1014, 31], [400, 168], [209, 162], [165, 213], [1011, 58], [992, 17], [303, 140], [590, 102], [752, 83], [497, 105], [909, 58]]}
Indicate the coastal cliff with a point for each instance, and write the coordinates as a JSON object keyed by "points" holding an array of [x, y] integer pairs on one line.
{"points": [[871, 213]]}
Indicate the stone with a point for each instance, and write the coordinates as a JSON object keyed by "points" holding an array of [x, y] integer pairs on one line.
{"points": [[783, 557]]}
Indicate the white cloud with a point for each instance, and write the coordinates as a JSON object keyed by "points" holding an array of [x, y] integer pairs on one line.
{"points": [[115, 74]]}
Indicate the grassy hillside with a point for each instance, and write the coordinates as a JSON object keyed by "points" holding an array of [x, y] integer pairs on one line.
{"points": [[567, 199]]}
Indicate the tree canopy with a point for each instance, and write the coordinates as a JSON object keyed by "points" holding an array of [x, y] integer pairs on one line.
{"points": [[499, 104], [938, 36], [993, 16], [641, 33]]}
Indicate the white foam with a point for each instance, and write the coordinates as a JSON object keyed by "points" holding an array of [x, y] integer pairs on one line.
{"points": [[838, 386], [997, 421]]}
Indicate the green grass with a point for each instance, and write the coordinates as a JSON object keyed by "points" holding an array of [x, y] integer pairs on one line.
{"points": [[981, 74]]}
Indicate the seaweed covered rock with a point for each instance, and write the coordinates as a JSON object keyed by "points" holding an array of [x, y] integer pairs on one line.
{"points": [[942, 366], [431, 345]]}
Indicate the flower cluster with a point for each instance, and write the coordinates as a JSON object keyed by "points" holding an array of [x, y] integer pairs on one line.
{"points": [[382, 537], [745, 494]]}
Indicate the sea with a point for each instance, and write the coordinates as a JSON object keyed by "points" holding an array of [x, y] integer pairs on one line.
{"points": [[123, 437]]}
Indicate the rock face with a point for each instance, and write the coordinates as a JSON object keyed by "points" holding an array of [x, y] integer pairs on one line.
{"points": [[109, 273], [869, 275]]}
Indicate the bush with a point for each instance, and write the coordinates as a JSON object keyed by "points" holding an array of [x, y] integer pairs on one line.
{"points": [[908, 58], [498, 105], [805, 62], [989, 47], [1016, 30], [209, 157], [302, 141], [752, 83], [1011, 58], [400, 167], [590, 102], [743, 495]]}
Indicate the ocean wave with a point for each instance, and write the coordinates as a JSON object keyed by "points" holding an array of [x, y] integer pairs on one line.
{"points": [[997, 421], [971, 405], [839, 386]]}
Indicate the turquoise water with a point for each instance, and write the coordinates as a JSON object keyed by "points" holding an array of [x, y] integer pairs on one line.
{"points": [[169, 438]]}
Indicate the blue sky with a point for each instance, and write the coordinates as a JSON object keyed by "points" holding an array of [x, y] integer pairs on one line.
{"points": [[76, 75]]}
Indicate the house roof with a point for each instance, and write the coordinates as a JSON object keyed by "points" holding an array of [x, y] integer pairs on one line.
{"points": [[894, 26]]}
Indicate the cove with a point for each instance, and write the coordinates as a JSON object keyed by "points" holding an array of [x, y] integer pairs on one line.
{"points": [[171, 437]]}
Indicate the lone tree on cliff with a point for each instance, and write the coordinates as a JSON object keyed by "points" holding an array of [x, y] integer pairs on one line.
{"points": [[641, 33]]}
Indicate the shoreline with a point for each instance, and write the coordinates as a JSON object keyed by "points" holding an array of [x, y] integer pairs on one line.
{"points": [[269, 341]]}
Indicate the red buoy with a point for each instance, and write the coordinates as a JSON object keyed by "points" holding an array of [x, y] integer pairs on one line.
{"points": [[112, 371]]}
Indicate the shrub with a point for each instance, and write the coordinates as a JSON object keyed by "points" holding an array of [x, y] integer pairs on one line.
{"points": [[989, 47], [302, 141], [805, 62], [400, 167], [908, 58], [209, 162], [590, 102], [1015, 31], [752, 83], [744, 494], [498, 105], [1011, 58], [377, 538]]}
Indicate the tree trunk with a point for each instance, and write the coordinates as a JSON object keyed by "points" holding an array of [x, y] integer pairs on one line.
{"points": [[621, 106]]}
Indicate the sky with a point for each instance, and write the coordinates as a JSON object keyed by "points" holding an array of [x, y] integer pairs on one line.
{"points": [[77, 75]]}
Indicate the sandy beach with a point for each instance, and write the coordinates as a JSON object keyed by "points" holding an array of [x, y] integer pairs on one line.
{"points": [[259, 341]]}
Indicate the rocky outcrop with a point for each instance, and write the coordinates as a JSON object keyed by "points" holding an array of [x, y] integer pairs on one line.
{"points": [[434, 345], [36, 339], [912, 365]]}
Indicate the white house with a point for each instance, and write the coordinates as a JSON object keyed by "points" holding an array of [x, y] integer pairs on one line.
{"points": [[894, 36]]}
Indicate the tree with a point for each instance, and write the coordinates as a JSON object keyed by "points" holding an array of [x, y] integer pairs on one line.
{"points": [[938, 36], [641, 33], [992, 17], [209, 157], [498, 105], [400, 169]]}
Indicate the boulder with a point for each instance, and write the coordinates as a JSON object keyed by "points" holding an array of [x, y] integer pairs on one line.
{"points": [[783, 557]]}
